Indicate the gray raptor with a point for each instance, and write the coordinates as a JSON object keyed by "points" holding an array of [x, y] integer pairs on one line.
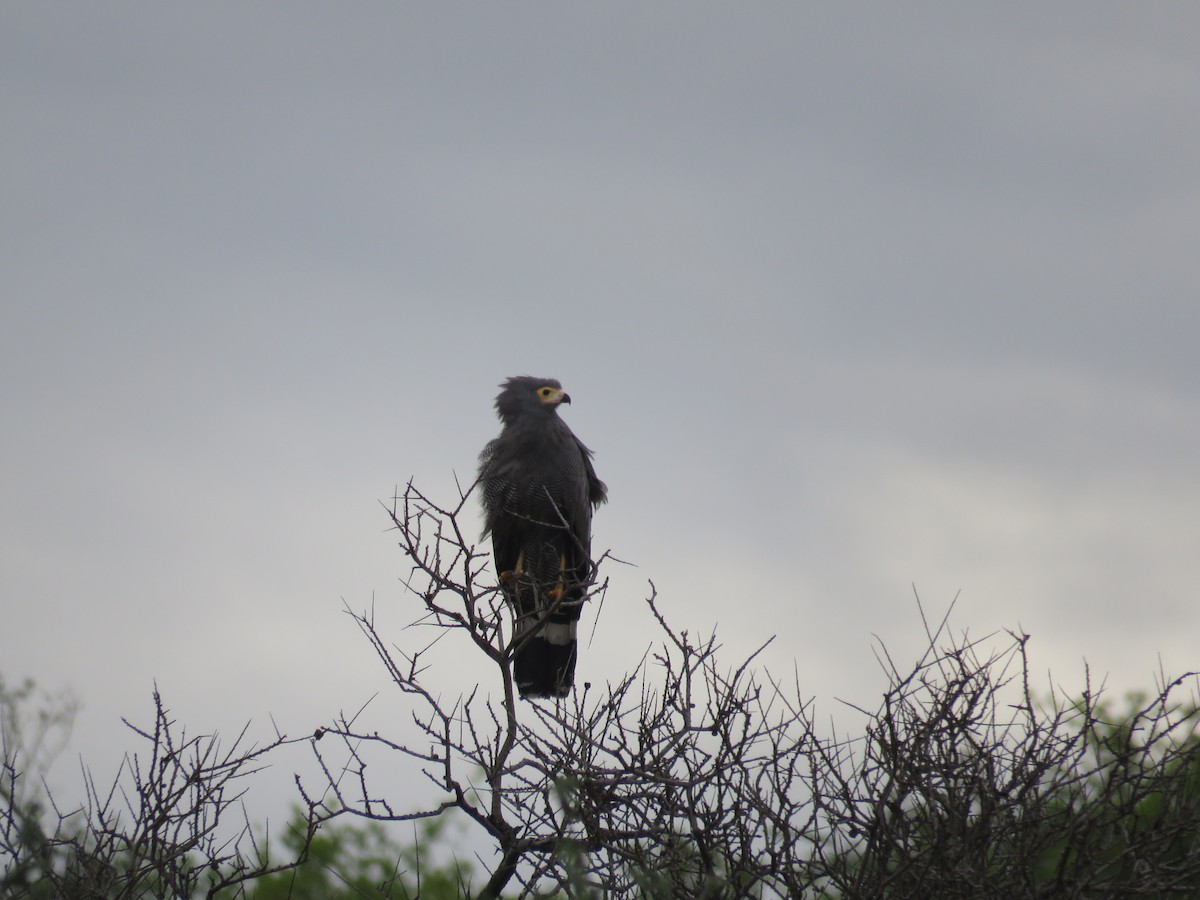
{"points": [[539, 490]]}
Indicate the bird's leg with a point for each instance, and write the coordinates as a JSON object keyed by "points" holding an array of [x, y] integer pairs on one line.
{"points": [[511, 575], [556, 593]]}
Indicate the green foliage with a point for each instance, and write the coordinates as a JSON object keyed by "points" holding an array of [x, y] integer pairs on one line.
{"points": [[34, 728], [1108, 806], [347, 860], [1137, 813], [679, 871]]}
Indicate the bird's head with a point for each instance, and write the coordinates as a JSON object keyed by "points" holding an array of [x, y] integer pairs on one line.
{"points": [[524, 395]]}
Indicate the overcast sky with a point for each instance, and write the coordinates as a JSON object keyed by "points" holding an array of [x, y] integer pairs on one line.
{"points": [[848, 298]]}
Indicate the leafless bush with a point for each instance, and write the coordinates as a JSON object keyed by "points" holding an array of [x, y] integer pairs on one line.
{"points": [[965, 787], [688, 777], [165, 826], [667, 779], [691, 777]]}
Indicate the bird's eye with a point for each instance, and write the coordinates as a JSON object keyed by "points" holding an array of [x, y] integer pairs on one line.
{"points": [[545, 391]]}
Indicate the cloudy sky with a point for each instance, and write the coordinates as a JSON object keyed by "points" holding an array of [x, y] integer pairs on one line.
{"points": [[850, 299]]}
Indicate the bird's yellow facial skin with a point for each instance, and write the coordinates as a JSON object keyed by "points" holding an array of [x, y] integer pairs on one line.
{"points": [[551, 396]]}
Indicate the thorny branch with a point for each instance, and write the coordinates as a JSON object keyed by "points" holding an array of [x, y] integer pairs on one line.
{"points": [[689, 777], [161, 827], [685, 777]]}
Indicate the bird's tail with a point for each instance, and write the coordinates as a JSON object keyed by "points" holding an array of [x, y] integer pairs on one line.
{"points": [[544, 642]]}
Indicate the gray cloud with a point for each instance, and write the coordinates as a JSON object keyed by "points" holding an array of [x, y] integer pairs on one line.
{"points": [[845, 301]]}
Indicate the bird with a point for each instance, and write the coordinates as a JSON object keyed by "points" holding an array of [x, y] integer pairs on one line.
{"points": [[539, 490]]}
